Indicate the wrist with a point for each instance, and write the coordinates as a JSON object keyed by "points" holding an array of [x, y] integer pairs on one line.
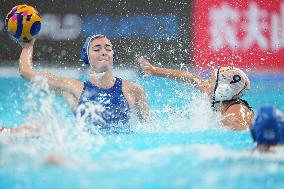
{"points": [[28, 46], [154, 69]]}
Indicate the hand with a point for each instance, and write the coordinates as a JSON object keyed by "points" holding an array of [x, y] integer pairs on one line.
{"points": [[146, 66], [26, 44]]}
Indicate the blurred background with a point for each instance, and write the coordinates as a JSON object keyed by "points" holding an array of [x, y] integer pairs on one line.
{"points": [[201, 34], [157, 29]]}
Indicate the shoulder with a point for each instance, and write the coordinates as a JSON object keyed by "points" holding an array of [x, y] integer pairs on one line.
{"points": [[132, 87], [240, 114], [239, 108]]}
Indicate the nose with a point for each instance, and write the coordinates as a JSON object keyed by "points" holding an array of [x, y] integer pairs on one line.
{"points": [[103, 52]]}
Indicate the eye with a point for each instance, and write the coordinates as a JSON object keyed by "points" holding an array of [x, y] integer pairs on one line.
{"points": [[108, 48]]}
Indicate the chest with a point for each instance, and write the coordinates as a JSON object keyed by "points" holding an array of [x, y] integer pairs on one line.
{"points": [[106, 98]]}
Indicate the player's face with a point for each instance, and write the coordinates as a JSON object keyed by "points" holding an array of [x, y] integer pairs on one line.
{"points": [[101, 55]]}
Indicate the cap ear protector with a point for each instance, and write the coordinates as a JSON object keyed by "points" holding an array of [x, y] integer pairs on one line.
{"points": [[84, 53], [268, 126]]}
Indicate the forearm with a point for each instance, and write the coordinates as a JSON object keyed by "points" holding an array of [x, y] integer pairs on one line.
{"points": [[178, 75], [26, 64], [27, 71]]}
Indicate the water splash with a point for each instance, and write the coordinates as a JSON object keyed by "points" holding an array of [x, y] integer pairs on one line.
{"points": [[187, 118], [57, 132]]}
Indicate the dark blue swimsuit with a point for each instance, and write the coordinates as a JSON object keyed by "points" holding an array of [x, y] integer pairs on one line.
{"points": [[105, 108]]}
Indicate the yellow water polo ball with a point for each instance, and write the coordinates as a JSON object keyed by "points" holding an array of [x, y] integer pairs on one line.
{"points": [[23, 23]]}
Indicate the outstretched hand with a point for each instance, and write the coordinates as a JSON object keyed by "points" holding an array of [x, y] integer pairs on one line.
{"points": [[146, 66]]}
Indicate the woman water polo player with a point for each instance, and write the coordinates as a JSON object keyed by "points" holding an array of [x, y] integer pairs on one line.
{"points": [[225, 87], [116, 97]]}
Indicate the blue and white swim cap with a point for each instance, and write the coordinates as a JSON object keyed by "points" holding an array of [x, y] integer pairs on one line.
{"points": [[231, 83], [84, 54], [268, 127]]}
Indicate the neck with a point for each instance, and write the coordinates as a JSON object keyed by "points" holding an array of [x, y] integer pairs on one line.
{"points": [[222, 105], [105, 81]]}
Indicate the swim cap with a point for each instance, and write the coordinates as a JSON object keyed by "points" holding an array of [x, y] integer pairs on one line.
{"points": [[84, 54], [268, 127], [231, 83]]}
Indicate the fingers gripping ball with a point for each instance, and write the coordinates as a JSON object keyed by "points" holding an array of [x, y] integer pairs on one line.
{"points": [[23, 23]]}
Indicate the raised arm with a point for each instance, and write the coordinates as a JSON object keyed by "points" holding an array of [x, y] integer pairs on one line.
{"points": [[178, 75], [59, 84]]}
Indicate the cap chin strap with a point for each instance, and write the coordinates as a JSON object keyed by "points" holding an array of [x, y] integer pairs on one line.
{"points": [[215, 88]]}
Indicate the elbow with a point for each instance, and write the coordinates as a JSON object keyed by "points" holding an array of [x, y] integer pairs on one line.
{"points": [[25, 73]]}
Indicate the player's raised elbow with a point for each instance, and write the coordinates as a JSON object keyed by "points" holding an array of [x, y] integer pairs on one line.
{"points": [[27, 74]]}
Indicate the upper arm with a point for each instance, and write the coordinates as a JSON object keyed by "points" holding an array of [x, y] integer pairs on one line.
{"points": [[71, 100], [66, 85], [62, 85], [238, 117], [141, 104]]}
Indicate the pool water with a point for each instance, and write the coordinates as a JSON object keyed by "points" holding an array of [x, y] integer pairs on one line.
{"points": [[185, 147]]}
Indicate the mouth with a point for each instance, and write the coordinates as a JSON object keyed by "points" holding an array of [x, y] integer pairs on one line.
{"points": [[103, 60]]}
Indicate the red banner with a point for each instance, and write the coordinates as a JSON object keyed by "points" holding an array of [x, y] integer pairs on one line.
{"points": [[246, 34]]}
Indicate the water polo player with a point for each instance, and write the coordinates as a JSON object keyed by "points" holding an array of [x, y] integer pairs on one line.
{"points": [[115, 97], [268, 129], [225, 87]]}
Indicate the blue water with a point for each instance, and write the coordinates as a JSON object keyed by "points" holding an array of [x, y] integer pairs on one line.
{"points": [[171, 154]]}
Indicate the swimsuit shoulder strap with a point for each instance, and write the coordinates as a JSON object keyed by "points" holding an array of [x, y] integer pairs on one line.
{"points": [[238, 101]]}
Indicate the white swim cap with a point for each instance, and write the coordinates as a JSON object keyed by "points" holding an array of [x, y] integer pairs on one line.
{"points": [[231, 83]]}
